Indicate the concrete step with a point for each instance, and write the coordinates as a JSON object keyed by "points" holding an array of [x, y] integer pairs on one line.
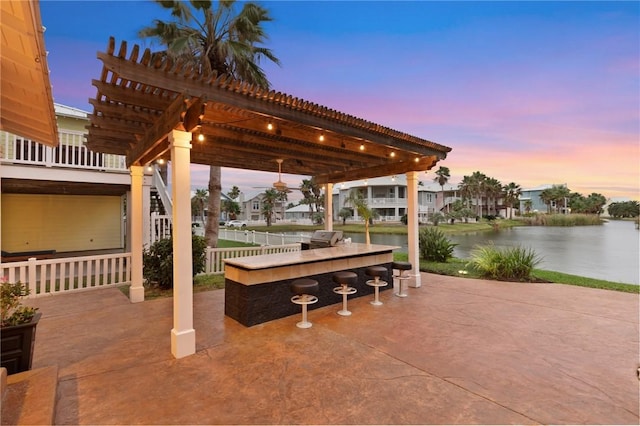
{"points": [[29, 398]]}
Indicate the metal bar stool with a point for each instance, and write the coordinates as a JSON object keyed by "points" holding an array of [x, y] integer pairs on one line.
{"points": [[304, 290], [346, 279], [376, 272], [401, 276]]}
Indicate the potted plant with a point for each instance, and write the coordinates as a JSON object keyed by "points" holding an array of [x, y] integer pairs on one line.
{"points": [[18, 327]]}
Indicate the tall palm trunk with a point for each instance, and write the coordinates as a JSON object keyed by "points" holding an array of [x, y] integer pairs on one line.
{"points": [[213, 209]]}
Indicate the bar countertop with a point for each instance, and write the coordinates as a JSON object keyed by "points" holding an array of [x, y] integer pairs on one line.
{"points": [[339, 251]]}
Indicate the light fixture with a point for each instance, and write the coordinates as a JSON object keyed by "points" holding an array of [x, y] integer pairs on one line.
{"points": [[270, 126], [393, 154], [160, 161], [417, 159], [393, 178], [321, 138], [200, 137], [366, 182], [149, 168], [361, 147]]}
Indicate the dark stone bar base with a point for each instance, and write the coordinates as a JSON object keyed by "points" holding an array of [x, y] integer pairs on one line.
{"points": [[255, 304]]}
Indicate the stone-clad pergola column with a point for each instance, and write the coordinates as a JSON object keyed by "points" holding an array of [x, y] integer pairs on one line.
{"points": [[412, 228], [183, 335]]}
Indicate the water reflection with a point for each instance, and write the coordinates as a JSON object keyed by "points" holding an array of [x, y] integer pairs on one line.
{"points": [[610, 252]]}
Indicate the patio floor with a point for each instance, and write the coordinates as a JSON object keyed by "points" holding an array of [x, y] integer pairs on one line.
{"points": [[456, 351]]}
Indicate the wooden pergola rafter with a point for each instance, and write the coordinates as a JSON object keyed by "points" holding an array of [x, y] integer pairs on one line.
{"points": [[141, 98]]}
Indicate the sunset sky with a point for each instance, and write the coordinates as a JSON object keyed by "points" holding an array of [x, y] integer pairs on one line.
{"points": [[532, 93]]}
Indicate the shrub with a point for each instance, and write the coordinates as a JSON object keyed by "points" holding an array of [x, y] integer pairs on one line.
{"points": [[434, 245], [510, 264], [12, 312], [563, 220], [158, 260]]}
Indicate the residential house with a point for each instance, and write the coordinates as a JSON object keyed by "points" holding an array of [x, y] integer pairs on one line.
{"points": [[530, 200], [251, 204], [64, 199], [387, 196]]}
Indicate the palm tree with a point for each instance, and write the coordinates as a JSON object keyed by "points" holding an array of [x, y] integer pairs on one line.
{"points": [[198, 202], [312, 193], [269, 199], [224, 40], [511, 195], [357, 200], [442, 177]]}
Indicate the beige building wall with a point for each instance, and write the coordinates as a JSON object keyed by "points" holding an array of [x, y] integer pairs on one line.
{"points": [[32, 222]]}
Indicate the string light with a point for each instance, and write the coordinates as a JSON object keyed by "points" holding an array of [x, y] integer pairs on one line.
{"points": [[200, 137], [361, 147], [270, 126], [321, 138], [393, 154], [161, 161]]}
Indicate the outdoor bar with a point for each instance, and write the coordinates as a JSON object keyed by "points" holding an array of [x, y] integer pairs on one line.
{"points": [[257, 287]]}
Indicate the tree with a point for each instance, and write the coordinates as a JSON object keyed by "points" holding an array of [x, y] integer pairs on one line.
{"points": [[624, 209], [218, 39], [198, 201], [558, 195], [357, 200], [511, 196], [312, 195], [345, 214], [442, 177], [269, 198]]}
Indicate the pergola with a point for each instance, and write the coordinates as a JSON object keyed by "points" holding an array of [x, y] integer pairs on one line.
{"points": [[149, 107]]}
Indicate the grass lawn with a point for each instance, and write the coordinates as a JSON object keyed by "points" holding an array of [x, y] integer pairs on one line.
{"points": [[460, 268], [392, 228]]}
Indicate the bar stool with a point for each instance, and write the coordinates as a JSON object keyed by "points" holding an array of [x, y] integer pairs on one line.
{"points": [[346, 279], [376, 272], [401, 276], [304, 290]]}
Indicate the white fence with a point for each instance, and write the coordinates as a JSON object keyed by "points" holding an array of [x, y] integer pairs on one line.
{"points": [[262, 238], [69, 274], [215, 256], [72, 274]]}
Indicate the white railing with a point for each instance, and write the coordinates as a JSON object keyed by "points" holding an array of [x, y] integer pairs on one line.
{"points": [[214, 257], [71, 152], [70, 274], [165, 197], [262, 238], [160, 227]]}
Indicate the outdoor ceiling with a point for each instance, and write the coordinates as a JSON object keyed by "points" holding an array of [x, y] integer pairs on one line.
{"points": [[26, 102], [141, 99]]}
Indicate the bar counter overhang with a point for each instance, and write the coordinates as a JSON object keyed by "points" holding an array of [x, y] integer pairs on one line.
{"points": [[257, 287]]}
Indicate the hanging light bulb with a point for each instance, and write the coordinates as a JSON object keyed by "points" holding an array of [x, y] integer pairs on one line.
{"points": [[270, 126], [200, 137], [321, 138], [361, 147], [393, 154], [160, 161]]}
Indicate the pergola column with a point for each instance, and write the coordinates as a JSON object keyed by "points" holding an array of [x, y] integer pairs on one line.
{"points": [[328, 207], [135, 224], [183, 335], [412, 228]]}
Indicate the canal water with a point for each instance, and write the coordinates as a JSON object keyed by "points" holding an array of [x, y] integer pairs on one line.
{"points": [[609, 252]]}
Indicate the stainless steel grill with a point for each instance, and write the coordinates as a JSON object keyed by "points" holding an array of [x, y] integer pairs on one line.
{"points": [[321, 239]]}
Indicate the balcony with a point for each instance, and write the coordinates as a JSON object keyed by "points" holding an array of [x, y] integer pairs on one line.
{"points": [[71, 153]]}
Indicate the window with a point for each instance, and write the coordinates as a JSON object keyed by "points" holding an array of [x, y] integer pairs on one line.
{"points": [[255, 205]]}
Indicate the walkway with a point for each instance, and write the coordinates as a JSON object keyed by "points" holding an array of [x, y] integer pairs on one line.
{"points": [[456, 351]]}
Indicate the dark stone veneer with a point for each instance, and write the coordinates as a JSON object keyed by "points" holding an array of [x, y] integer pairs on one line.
{"points": [[258, 303]]}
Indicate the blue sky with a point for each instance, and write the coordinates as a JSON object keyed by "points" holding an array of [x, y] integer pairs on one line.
{"points": [[529, 92]]}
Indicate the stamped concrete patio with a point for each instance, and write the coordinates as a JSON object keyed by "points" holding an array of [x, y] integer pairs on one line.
{"points": [[456, 351]]}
